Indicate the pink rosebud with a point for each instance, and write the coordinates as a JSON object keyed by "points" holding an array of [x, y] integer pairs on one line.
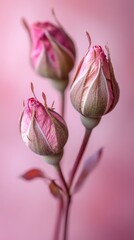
{"points": [[53, 52], [95, 91], [42, 129]]}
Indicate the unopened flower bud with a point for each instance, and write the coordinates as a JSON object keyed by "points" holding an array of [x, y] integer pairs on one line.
{"points": [[95, 91], [52, 51], [43, 130]]}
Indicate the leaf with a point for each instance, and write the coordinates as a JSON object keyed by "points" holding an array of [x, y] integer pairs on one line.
{"points": [[89, 165], [32, 174], [55, 189]]}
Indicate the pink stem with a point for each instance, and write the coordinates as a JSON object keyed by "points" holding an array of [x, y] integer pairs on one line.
{"points": [[62, 103], [68, 200], [67, 188], [79, 156], [59, 218]]}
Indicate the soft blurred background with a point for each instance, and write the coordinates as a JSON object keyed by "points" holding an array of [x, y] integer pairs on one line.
{"points": [[104, 208]]}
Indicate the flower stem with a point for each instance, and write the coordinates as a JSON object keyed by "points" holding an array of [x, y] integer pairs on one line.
{"points": [[62, 93], [79, 156], [65, 232], [68, 187], [59, 218], [58, 168]]}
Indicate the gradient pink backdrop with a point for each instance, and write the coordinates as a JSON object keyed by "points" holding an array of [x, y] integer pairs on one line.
{"points": [[104, 208]]}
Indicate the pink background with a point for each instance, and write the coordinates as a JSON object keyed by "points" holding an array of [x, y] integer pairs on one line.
{"points": [[104, 208]]}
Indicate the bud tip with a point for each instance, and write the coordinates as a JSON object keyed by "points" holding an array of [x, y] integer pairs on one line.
{"points": [[89, 39]]}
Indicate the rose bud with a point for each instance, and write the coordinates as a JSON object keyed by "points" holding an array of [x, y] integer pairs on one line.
{"points": [[94, 91], [52, 51], [43, 130]]}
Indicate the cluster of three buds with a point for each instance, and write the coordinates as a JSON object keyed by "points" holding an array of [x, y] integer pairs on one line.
{"points": [[94, 91]]}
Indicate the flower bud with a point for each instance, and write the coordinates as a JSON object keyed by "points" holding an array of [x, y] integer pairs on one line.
{"points": [[52, 51], [95, 91], [43, 130]]}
